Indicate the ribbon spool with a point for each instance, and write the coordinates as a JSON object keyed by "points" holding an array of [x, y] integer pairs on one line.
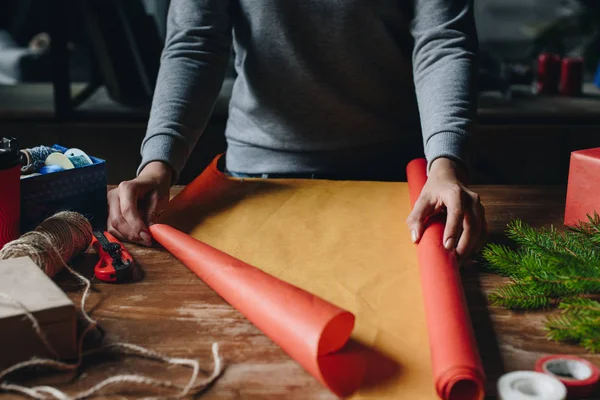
{"points": [[579, 376], [529, 385]]}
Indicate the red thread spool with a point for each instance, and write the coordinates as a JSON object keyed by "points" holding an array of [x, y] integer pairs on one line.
{"points": [[10, 190], [580, 376], [571, 76], [548, 73]]}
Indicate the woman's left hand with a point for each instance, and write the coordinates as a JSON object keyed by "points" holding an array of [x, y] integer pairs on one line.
{"points": [[446, 190]]}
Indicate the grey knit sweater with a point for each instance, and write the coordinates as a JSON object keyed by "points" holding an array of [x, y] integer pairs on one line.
{"points": [[320, 83]]}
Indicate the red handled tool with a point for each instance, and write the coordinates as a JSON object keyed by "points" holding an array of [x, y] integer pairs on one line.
{"points": [[116, 264]]}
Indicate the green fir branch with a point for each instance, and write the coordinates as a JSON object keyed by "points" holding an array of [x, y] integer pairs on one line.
{"points": [[517, 296], [551, 267], [588, 228], [581, 306], [578, 323], [504, 261], [549, 262]]}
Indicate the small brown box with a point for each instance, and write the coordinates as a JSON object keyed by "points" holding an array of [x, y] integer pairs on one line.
{"points": [[24, 281]]}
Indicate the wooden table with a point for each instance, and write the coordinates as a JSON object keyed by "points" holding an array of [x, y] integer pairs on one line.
{"points": [[173, 312]]}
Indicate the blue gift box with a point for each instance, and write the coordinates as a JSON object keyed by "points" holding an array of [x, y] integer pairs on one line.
{"points": [[80, 189]]}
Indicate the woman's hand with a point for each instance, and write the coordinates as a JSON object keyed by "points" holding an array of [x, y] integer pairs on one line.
{"points": [[446, 190], [137, 203]]}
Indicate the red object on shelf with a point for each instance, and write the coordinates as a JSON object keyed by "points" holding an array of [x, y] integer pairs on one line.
{"points": [[571, 76], [548, 73], [583, 191]]}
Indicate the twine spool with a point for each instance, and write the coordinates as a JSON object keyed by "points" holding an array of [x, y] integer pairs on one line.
{"points": [[35, 158], [55, 241]]}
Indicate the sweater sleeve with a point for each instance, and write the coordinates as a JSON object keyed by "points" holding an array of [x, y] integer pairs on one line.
{"points": [[444, 58], [193, 66]]}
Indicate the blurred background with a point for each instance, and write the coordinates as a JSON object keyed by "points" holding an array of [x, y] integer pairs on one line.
{"points": [[81, 73]]}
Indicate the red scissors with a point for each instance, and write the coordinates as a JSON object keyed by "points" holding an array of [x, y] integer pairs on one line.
{"points": [[115, 264]]}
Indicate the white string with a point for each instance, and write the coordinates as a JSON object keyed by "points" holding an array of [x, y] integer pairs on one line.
{"points": [[42, 392]]}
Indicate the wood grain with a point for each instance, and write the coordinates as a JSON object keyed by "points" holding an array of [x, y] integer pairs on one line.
{"points": [[173, 312]]}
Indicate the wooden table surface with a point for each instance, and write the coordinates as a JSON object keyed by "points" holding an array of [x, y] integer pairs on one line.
{"points": [[173, 312]]}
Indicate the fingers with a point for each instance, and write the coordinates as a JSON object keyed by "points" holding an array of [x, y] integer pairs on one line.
{"points": [[152, 212], [124, 220], [423, 208], [454, 217], [469, 237], [154, 209], [116, 225], [129, 195], [474, 228]]}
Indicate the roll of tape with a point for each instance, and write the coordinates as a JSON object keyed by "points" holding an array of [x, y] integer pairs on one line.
{"points": [[79, 153], [580, 376], [59, 159], [529, 385], [79, 161]]}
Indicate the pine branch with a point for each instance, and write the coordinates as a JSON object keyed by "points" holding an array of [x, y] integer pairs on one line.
{"points": [[563, 329], [517, 296], [588, 228], [551, 267], [579, 323], [581, 306], [504, 261], [549, 263]]}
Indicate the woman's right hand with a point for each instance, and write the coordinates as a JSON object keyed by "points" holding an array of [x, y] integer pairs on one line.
{"points": [[136, 204]]}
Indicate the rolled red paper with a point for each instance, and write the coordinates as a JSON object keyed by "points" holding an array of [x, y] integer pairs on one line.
{"points": [[311, 330], [456, 365]]}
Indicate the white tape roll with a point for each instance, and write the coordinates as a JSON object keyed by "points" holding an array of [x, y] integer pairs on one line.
{"points": [[59, 159], [71, 153], [529, 385]]}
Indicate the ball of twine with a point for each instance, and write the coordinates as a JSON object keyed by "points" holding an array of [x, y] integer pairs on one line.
{"points": [[53, 243]]}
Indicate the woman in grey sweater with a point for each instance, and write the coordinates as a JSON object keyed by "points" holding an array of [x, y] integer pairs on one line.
{"points": [[332, 88]]}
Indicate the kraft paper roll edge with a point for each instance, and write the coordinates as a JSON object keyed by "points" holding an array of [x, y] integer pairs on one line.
{"points": [[456, 364], [585, 375]]}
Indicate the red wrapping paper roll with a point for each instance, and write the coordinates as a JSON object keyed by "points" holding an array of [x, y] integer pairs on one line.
{"points": [[456, 365], [311, 330]]}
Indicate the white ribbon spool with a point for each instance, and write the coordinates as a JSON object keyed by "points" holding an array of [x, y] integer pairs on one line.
{"points": [[529, 385]]}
